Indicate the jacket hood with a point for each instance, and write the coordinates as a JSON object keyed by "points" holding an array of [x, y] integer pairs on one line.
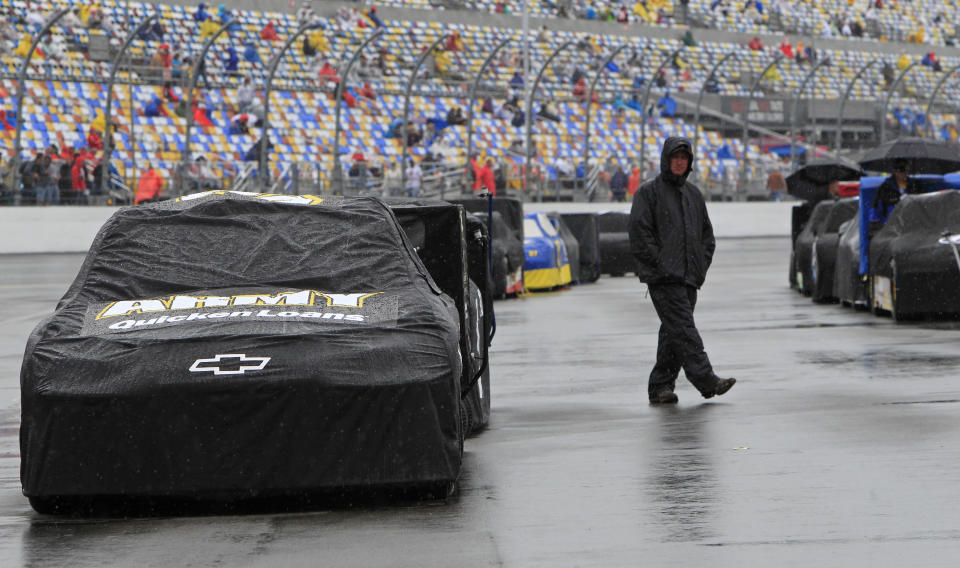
{"points": [[671, 145]]}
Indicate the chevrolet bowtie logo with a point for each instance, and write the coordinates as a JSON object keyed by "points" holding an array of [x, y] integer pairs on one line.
{"points": [[229, 364]]}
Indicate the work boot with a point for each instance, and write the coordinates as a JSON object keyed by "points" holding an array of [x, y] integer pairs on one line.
{"points": [[722, 386], [664, 397]]}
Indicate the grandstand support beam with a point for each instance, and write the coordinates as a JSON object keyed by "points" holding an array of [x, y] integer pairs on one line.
{"points": [[793, 108], [593, 85], [335, 149], [928, 124], [696, 112], [107, 137], [264, 162], [471, 102], [838, 138], [21, 92], [886, 99], [643, 106], [192, 84], [528, 121], [746, 118], [406, 105]]}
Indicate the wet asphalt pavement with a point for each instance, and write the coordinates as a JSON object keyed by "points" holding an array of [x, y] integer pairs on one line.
{"points": [[839, 445]]}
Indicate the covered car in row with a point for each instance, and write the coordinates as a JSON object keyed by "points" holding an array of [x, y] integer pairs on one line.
{"points": [[546, 265], [616, 258], [507, 239], [230, 345], [584, 228]]}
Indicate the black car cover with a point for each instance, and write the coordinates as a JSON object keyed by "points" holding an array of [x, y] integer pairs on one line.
{"points": [[803, 247], [825, 248], [922, 271], [234, 345], [507, 251], [615, 255], [453, 247], [848, 288], [584, 228]]}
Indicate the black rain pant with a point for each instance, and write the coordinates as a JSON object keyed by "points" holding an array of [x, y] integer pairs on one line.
{"points": [[679, 344]]}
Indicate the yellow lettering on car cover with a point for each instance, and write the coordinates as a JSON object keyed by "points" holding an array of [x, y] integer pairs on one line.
{"points": [[346, 300], [301, 298], [185, 302]]}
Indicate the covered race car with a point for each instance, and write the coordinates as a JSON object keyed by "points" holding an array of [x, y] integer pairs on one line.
{"points": [[914, 264], [546, 265], [569, 242], [615, 256], [824, 251], [584, 228], [446, 246], [848, 286], [228, 345], [803, 247], [507, 239]]}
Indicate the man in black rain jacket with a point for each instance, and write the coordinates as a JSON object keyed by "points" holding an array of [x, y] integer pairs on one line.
{"points": [[672, 240]]}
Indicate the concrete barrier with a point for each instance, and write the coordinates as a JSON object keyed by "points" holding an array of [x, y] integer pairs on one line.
{"points": [[72, 229], [730, 220]]}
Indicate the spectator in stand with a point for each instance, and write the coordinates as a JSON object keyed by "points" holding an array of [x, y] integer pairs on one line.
{"points": [[755, 44], [546, 111], [516, 82], [78, 177], [224, 16], [328, 75], [776, 184], [44, 184], [269, 32], [618, 185], [414, 179], [208, 28], [889, 74], [240, 124], [169, 94], [317, 41], [372, 14], [201, 175], [667, 105], [253, 154], [153, 109], [95, 139], [250, 53], [149, 187], [454, 42], [786, 48], [231, 62], [367, 92], [305, 14], [633, 182], [903, 62], [246, 95], [711, 85], [201, 115], [23, 48], [201, 15], [485, 179], [623, 17], [930, 60]]}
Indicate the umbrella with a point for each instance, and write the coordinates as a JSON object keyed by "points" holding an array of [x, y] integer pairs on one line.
{"points": [[812, 180], [922, 156]]}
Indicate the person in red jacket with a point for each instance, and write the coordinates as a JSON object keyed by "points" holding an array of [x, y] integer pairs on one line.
{"points": [[755, 44], [269, 32], [94, 140], [149, 187], [485, 179]]}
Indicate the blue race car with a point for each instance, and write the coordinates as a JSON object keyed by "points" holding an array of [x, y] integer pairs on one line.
{"points": [[546, 264]]}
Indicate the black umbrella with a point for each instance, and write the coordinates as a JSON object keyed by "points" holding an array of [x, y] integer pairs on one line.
{"points": [[811, 182], [922, 156]]}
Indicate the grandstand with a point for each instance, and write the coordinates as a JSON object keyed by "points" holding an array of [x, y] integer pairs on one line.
{"points": [[66, 94]]}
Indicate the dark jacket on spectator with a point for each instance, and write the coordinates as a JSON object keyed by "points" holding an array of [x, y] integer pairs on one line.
{"points": [[670, 231]]}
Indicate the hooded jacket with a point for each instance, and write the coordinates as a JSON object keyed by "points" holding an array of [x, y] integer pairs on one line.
{"points": [[670, 233]]}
